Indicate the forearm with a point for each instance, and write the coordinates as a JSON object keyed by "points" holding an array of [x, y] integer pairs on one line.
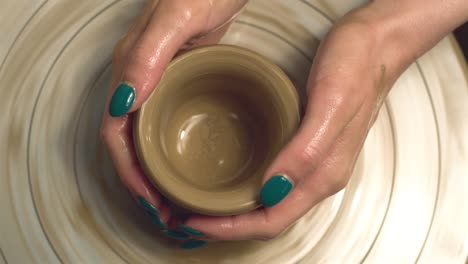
{"points": [[406, 29]]}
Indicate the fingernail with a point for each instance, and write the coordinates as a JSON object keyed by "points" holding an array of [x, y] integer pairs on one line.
{"points": [[190, 230], [122, 100], [175, 234], [193, 243], [158, 221], [274, 190], [147, 206]]}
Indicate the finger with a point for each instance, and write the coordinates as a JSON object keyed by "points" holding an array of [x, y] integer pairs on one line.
{"points": [[116, 134], [269, 222], [124, 45], [168, 29]]}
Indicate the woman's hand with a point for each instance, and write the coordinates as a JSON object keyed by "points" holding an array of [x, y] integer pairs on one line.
{"points": [[354, 69], [139, 59]]}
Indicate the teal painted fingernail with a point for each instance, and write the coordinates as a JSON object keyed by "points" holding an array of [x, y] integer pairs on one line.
{"points": [[155, 219], [175, 234], [274, 190], [147, 206], [193, 243], [190, 230], [122, 100]]}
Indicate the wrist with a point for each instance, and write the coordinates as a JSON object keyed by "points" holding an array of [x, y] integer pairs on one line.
{"points": [[405, 30], [414, 27]]}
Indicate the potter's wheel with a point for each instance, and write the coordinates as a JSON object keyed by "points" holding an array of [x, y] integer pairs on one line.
{"points": [[61, 202]]}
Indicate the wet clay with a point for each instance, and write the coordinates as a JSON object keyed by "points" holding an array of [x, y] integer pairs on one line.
{"points": [[216, 138], [214, 123]]}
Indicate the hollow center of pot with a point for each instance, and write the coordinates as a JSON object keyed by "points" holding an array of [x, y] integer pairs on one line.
{"points": [[218, 132]]}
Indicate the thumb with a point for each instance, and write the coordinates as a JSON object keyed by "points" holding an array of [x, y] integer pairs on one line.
{"points": [[166, 32], [338, 88]]}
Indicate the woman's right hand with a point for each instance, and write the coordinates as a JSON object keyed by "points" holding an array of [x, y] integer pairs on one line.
{"points": [[139, 60]]}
